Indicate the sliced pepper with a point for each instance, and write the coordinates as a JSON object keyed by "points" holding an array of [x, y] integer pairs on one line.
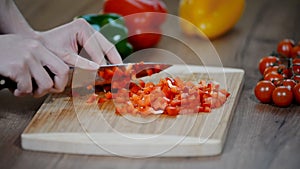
{"points": [[112, 26], [144, 25]]}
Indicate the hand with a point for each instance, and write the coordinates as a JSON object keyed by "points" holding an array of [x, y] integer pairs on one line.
{"points": [[65, 41], [23, 59]]}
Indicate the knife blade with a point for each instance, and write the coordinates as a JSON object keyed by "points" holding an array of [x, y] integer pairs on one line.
{"points": [[135, 70], [141, 69]]}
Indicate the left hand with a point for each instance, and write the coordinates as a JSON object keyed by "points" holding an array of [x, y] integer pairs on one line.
{"points": [[65, 41]]}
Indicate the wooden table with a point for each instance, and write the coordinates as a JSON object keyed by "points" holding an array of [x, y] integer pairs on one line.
{"points": [[261, 136]]}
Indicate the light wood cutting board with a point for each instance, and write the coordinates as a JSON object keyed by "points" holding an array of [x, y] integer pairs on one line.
{"points": [[68, 124]]}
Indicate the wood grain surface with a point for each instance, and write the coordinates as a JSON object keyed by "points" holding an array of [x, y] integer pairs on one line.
{"points": [[68, 124], [260, 136]]}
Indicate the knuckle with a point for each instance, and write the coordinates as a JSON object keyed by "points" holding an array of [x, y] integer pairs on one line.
{"points": [[49, 85], [33, 44], [81, 21], [19, 67], [27, 59], [82, 25], [46, 86]]}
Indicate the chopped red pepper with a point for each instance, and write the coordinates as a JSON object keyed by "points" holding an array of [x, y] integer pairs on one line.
{"points": [[170, 97]]}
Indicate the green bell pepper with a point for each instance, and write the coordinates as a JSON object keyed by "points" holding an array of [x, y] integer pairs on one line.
{"points": [[112, 26]]}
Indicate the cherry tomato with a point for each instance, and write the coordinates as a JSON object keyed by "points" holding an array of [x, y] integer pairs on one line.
{"points": [[296, 78], [287, 73], [281, 77], [284, 47], [289, 83], [263, 91], [280, 69], [267, 61], [296, 60], [296, 93], [282, 96], [295, 51], [273, 77], [271, 69], [296, 68]]}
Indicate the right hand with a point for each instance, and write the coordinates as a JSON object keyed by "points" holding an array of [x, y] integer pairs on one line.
{"points": [[64, 42], [23, 59]]}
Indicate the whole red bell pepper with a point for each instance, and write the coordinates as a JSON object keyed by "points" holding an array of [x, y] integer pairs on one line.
{"points": [[143, 19]]}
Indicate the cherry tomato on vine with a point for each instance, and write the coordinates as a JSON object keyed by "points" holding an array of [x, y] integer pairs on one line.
{"points": [[284, 47], [280, 69], [271, 69], [296, 60], [282, 96], [296, 93], [296, 68], [273, 77], [295, 51], [281, 75], [267, 61], [289, 83], [296, 78], [263, 91]]}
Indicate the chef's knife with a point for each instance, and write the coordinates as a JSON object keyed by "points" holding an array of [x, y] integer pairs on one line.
{"points": [[142, 69]]}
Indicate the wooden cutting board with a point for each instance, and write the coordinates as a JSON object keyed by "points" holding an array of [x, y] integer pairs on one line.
{"points": [[68, 124]]}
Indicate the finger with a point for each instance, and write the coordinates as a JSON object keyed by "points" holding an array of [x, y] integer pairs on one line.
{"points": [[94, 42], [80, 62], [60, 79], [109, 49], [41, 77], [111, 56], [56, 66], [24, 84], [19, 73], [60, 71], [93, 48]]}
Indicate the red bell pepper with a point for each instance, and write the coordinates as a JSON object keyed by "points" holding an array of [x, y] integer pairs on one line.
{"points": [[143, 19]]}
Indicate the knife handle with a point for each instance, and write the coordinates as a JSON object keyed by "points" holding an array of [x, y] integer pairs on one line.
{"points": [[6, 82]]}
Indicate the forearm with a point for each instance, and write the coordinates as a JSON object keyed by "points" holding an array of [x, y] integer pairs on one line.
{"points": [[12, 21]]}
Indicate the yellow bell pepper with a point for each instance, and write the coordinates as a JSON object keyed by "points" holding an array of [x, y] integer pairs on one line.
{"points": [[212, 18]]}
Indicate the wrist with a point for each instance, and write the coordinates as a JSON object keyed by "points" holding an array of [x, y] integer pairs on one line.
{"points": [[13, 22]]}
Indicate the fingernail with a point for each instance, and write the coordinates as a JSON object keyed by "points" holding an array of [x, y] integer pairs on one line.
{"points": [[17, 93]]}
